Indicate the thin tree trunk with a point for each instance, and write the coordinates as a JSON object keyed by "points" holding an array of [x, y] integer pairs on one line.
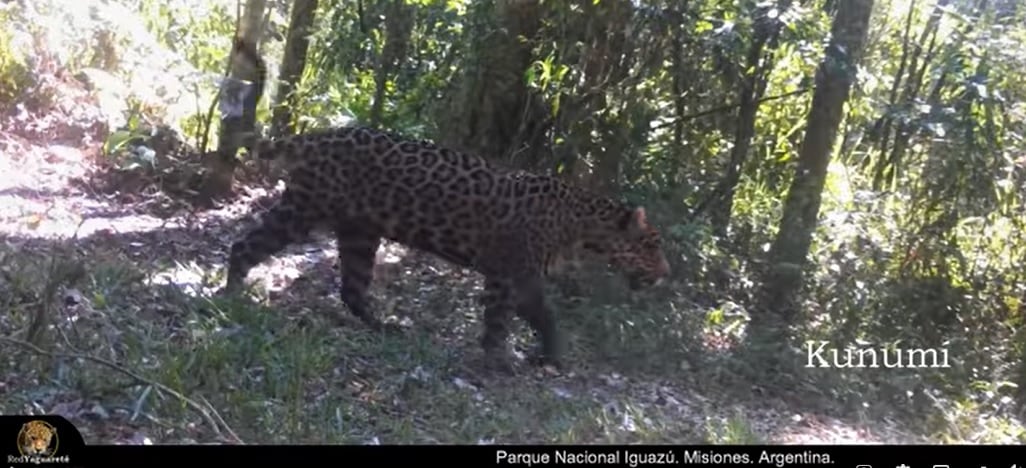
{"points": [[292, 65], [887, 171], [801, 209], [753, 87], [493, 96], [398, 26]]}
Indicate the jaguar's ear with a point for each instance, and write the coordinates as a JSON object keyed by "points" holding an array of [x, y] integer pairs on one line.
{"points": [[637, 221], [638, 218]]}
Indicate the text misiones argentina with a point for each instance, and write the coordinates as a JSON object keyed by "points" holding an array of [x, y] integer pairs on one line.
{"points": [[632, 458], [711, 457]]}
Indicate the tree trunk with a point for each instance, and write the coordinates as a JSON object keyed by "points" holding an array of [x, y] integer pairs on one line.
{"points": [[891, 162], [238, 103], [292, 64], [609, 63], [801, 209], [399, 23], [493, 97], [753, 87]]}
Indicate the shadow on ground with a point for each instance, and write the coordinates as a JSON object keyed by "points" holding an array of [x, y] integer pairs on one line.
{"points": [[139, 348]]}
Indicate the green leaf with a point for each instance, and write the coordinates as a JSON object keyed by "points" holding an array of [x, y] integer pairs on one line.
{"points": [[116, 140]]}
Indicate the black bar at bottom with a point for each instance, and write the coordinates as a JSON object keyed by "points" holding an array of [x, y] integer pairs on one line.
{"points": [[34, 441], [879, 456]]}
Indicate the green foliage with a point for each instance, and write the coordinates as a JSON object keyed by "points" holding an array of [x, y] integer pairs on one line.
{"points": [[339, 83], [202, 35], [921, 240], [15, 78], [735, 430]]}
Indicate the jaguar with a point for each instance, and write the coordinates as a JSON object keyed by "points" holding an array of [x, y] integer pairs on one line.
{"points": [[514, 227], [35, 438]]}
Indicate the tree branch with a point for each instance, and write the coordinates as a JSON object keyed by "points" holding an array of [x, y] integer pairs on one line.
{"points": [[714, 110]]}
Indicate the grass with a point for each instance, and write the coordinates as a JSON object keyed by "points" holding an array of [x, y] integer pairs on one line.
{"points": [[135, 346], [186, 368]]}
